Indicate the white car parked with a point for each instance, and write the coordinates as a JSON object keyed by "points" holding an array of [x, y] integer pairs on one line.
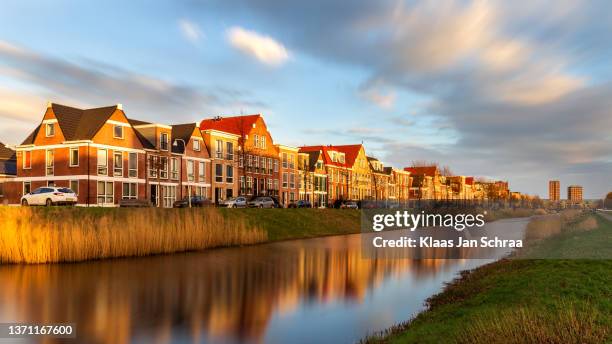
{"points": [[50, 195], [238, 202]]}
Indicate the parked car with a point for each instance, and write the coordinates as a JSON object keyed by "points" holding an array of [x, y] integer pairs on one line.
{"points": [[300, 204], [349, 205], [262, 202], [50, 195], [196, 202], [236, 202]]}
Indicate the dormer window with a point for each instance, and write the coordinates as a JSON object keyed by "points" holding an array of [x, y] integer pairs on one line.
{"points": [[118, 132], [163, 141], [50, 129], [196, 145]]}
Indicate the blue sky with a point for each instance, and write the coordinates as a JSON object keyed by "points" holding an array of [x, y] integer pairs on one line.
{"points": [[510, 91]]}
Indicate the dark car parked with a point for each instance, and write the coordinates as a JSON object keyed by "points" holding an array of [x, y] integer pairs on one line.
{"points": [[300, 204], [196, 202]]}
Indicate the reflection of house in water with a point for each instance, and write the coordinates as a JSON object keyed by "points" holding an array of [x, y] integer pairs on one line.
{"points": [[224, 294]]}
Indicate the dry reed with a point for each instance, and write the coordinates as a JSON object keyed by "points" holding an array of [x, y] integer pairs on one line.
{"points": [[69, 235]]}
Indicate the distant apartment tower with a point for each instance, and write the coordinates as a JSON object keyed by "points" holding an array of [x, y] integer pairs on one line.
{"points": [[574, 193], [554, 190]]}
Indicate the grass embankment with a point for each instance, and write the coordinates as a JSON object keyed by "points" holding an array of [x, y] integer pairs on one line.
{"points": [[526, 300], [47, 235]]}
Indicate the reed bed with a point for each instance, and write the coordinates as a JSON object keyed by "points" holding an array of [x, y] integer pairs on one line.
{"points": [[34, 236]]}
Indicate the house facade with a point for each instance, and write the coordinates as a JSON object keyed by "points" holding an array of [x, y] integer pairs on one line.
{"points": [[289, 184], [225, 181], [188, 146], [336, 171], [8, 172], [313, 177]]}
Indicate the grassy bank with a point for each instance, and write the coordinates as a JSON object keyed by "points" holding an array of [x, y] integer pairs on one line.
{"points": [[526, 300]]}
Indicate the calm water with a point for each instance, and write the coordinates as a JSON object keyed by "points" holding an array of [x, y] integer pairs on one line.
{"points": [[303, 291]]}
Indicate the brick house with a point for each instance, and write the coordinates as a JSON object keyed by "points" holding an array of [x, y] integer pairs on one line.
{"points": [[8, 172], [360, 174], [426, 182], [95, 152], [337, 171], [194, 160], [224, 163], [381, 180], [312, 178], [289, 185], [258, 163]]}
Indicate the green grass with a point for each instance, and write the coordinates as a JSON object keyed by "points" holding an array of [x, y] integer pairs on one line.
{"points": [[557, 300], [283, 224]]}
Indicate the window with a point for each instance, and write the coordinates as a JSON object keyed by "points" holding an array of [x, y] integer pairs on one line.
{"points": [[163, 141], [249, 160], [284, 157], [153, 166], [270, 184], [27, 159], [229, 174], [174, 174], [218, 173], [163, 169], [196, 145], [27, 187], [285, 179], [169, 192], [74, 186], [190, 171], [50, 129], [263, 142], [242, 182], [105, 192], [129, 190], [256, 162], [74, 157], [275, 184], [118, 132], [230, 151], [118, 164], [291, 164], [256, 140], [291, 180], [49, 162], [275, 165], [241, 161], [201, 171], [102, 162], [270, 165], [219, 150], [249, 182], [133, 165]]}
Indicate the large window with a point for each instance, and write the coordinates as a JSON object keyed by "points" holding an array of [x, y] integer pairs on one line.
{"points": [[270, 165], [174, 170], [291, 163], [118, 164], [163, 141], [275, 165], [284, 155], [169, 192], [201, 171], [153, 166], [129, 191], [74, 186], [105, 192], [27, 159], [229, 150], [118, 132], [285, 179], [219, 150], [242, 182], [74, 157], [50, 129], [102, 162], [190, 171], [218, 173], [292, 180], [229, 174], [133, 165], [50, 162], [163, 169]]}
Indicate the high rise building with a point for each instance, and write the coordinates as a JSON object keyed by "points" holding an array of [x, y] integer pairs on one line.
{"points": [[554, 190], [574, 193]]}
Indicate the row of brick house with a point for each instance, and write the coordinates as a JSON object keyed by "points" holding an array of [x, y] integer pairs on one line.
{"points": [[106, 157]]}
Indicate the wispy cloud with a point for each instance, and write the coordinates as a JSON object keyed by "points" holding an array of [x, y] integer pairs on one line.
{"points": [[190, 30], [261, 47]]}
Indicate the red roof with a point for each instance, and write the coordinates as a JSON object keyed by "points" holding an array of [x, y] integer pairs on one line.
{"points": [[237, 125], [424, 170], [469, 180], [350, 153]]}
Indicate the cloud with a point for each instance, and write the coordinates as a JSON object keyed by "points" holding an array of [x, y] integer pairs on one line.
{"points": [[190, 30], [263, 48], [94, 84]]}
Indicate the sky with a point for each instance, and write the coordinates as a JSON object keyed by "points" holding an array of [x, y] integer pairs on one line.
{"points": [[512, 90]]}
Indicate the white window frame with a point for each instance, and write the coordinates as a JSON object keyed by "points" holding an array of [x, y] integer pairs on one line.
{"points": [[219, 149], [115, 127], [229, 147], [47, 165], [229, 174], [71, 163], [23, 187], [161, 141], [23, 161], [163, 171], [117, 170], [218, 177], [105, 196], [129, 195], [197, 145], [174, 170], [130, 169], [103, 167], [49, 129], [201, 171], [190, 171]]}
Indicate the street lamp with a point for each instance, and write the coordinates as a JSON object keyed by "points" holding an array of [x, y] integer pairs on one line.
{"points": [[175, 144]]}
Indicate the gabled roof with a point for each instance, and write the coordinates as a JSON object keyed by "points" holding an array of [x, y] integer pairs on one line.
{"points": [[6, 153], [429, 171], [182, 132], [350, 153], [237, 125], [77, 124], [313, 158], [326, 157]]}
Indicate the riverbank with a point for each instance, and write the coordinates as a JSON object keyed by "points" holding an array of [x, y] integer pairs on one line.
{"points": [[64, 234], [526, 300]]}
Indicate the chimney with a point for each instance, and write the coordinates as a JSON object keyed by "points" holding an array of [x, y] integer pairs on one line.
{"points": [[120, 106]]}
